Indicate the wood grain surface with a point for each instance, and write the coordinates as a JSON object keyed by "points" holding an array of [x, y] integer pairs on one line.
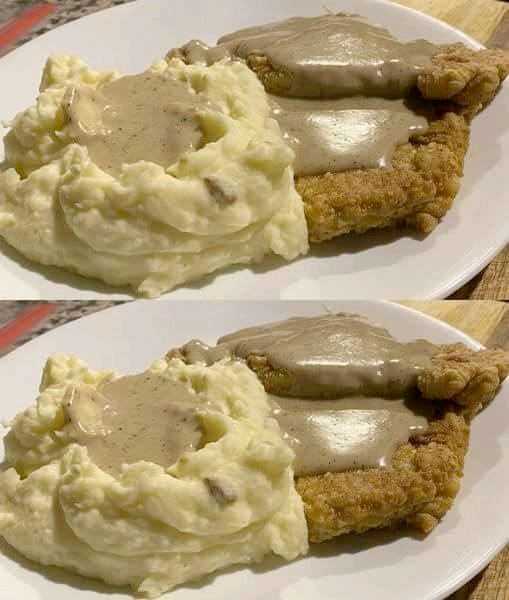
{"points": [[488, 322], [477, 18]]}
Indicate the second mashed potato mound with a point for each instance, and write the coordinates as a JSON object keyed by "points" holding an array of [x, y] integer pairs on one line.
{"points": [[228, 196], [230, 499]]}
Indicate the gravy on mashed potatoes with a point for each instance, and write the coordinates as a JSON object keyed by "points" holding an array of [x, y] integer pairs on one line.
{"points": [[148, 117], [137, 417], [212, 486], [107, 179]]}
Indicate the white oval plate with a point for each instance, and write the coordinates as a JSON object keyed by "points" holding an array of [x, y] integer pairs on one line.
{"points": [[381, 264], [381, 565]]}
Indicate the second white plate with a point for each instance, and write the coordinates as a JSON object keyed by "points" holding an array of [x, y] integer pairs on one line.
{"points": [[382, 264], [385, 566]]}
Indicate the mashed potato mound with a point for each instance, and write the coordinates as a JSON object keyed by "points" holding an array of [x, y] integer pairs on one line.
{"points": [[149, 226], [152, 527]]}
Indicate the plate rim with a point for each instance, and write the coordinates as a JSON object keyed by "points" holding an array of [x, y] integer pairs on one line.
{"points": [[392, 304], [129, 6], [438, 291], [447, 587]]}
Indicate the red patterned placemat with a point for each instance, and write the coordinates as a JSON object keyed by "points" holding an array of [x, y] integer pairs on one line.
{"points": [[22, 20], [22, 321]]}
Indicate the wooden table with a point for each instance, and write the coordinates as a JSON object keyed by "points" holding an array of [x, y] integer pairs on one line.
{"points": [[488, 322]]}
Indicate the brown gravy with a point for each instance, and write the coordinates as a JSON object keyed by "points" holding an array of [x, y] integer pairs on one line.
{"points": [[368, 377], [335, 55], [135, 418], [344, 105], [346, 434], [347, 133], [198, 52], [335, 355], [150, 116]]}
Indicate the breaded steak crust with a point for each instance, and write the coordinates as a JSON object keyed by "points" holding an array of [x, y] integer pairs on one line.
{"points": [[425, 176], [426, 172], [417, 191], [425, 474], [417, 490], [467, 78], [465, 377]]}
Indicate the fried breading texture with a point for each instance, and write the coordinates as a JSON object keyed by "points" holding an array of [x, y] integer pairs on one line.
{"points": [[425, 176], [468, 78], [459, 375], [418, 489], [425, 474], [417, 191], [468, 378]]}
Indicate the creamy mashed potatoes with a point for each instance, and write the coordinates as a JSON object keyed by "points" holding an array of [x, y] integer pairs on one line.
{"points": [[147, 225], [148, 525]]}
